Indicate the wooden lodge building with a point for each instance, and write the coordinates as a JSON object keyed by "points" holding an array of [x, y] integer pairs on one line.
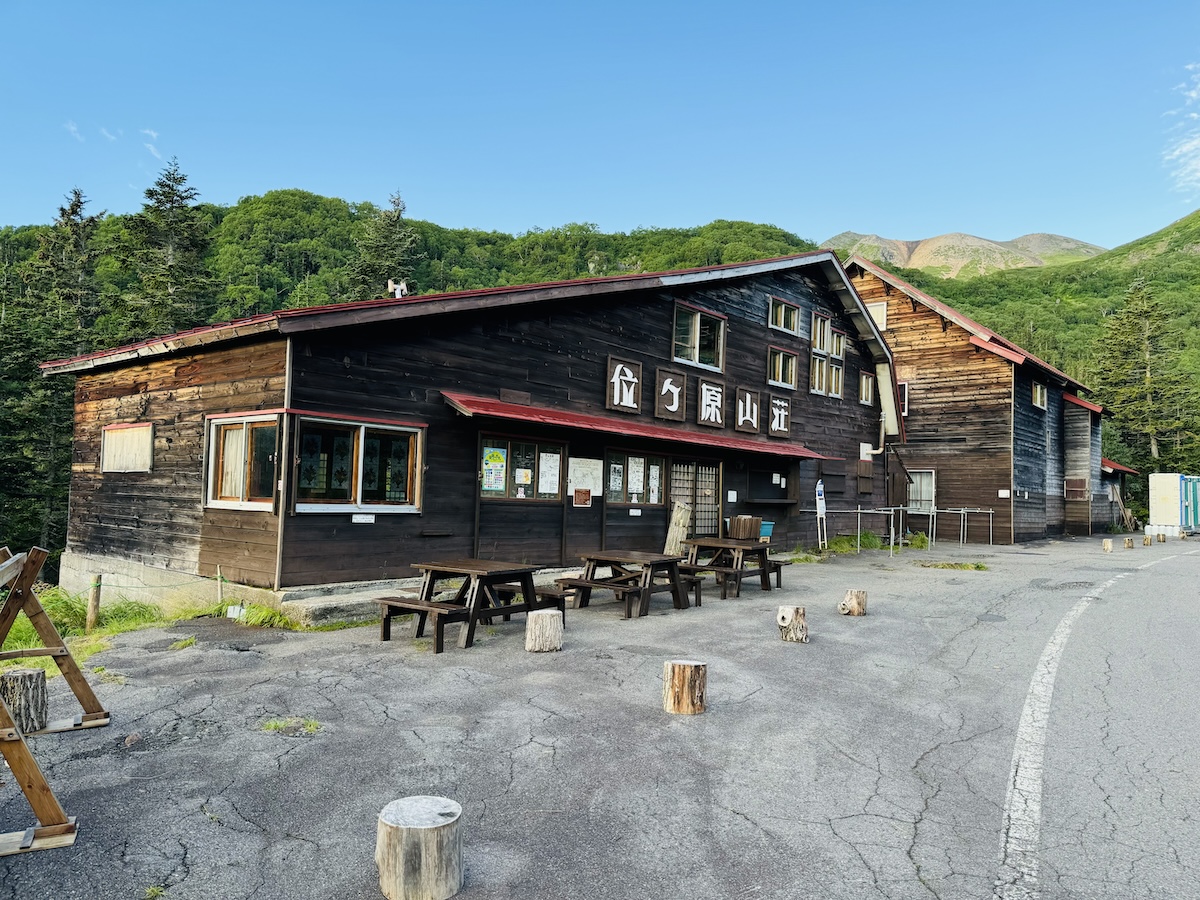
{"points": [[534, 423], [988, 426]]}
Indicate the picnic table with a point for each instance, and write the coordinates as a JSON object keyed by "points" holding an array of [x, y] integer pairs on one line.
{"points": [[488, 589], [633, 575], [728, 559]]}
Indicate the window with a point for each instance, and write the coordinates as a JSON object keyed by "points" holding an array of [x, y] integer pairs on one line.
{"points": [[903, 388], [826, 366], [634, 479], [242, 461], [520, 470], [878, 312], [781, 367], [345, 467], [785, 316], [127, 448], [699, 337], [920, 492], [1039, 395], [866, 388]]}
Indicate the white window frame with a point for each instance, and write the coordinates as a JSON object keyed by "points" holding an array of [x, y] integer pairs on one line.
{"points": [[878, 312], [827, 350], [127, 447], [696, 316], [785, 310], [358, 505], [920, 507], [902, 388], [1040, 399], [866, 388], [212, 499], [776, 372]]}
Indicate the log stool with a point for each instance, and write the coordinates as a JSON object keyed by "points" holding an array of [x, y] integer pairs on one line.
{"points": [[24, 690], [418, 849], [855, 604], [1147, 540], [1108, 545], [543, 630], [1162, 538], [685, 682], [792, 624], [1128, 543]]}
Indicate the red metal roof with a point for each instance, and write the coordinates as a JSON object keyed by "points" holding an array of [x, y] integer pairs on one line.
{"points": [[1107, 463], [485, 406], [1071, 398]]}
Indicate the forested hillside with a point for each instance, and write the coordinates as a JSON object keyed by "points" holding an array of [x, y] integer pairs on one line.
{"points": [[1126, 322]]}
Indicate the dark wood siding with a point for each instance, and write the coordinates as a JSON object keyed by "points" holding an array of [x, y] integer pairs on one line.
{"points": [[558, 356], [157, 518], [960, 412]]}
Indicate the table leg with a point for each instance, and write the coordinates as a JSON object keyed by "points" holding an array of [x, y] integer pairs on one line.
{"points": [[475, 596], [678, 591], [764, 570], [426, 596]]}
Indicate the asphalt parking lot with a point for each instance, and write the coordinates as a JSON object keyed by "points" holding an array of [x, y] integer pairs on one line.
{"points": [[871, 762]]}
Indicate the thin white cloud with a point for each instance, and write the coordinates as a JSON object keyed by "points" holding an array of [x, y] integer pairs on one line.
{"points": [[150, 131], [73, 131], [153, 151], [108, 134], [1182, 155]]}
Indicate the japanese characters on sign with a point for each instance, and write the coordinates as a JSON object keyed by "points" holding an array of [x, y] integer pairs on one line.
{"points": [[670, 395], [624, 387]]}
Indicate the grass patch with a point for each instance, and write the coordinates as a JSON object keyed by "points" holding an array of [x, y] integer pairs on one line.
{"points": [[919, 541], [969, 566], [291, 725], [183, 643]]}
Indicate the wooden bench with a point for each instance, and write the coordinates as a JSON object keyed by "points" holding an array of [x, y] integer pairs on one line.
{"points": [[442, 613], [723, 574], [775, 567], [628, 593]]}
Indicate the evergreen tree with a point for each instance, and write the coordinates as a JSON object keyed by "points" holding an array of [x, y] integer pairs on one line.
{"points": [[1140, 379], [165, 245], [385, 252]]}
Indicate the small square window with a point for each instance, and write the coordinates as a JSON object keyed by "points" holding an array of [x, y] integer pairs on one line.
{"points": [[781, 367], [1039, 395], [699, 338], [785, 316], [127, 448], [878, 312]]}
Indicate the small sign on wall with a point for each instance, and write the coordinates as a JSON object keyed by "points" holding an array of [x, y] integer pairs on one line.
{"points": [[581, 497], [362, 518]]}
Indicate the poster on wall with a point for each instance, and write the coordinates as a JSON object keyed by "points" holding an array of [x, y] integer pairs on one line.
{"points": [[494, 468], [548, 471], [585, 473]]}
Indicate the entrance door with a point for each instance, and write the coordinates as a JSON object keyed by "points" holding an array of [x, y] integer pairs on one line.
{"points": [[698, 484]]}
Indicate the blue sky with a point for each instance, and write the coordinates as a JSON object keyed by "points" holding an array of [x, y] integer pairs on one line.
{"points": [[903, 120]]}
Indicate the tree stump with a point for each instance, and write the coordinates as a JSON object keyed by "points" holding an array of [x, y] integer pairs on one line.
{"points": [[1108, 545], [792, 624], [543, 630], [855, 604], [684, 684], [24, 691], [1162, 538], [1147, 540], [418, 849], [1128, 543]]}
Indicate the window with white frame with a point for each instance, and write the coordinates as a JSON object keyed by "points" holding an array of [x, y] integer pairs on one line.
{"points": [[699, 338], [902, 387], [127, 447], [1039, 395], [878, 312], [921, 491], [837, 356], [781, 367], [346, 467], [241, 470], [866, 388], [827, 358], [785, 316]]}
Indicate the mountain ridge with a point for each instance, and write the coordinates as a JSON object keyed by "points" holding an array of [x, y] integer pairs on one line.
{"points": [[960, 255]]}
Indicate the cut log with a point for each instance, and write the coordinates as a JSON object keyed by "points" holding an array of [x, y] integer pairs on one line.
{"points": [[685, 682], [792, 624], [24, 690], [1147, 540], [855, 604], [1108, 545], [1128, 543], [543, 630], [418, 849], [1162, 538]]}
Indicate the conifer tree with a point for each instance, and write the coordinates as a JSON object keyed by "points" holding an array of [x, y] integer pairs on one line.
{"points": [[385, 252]]}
